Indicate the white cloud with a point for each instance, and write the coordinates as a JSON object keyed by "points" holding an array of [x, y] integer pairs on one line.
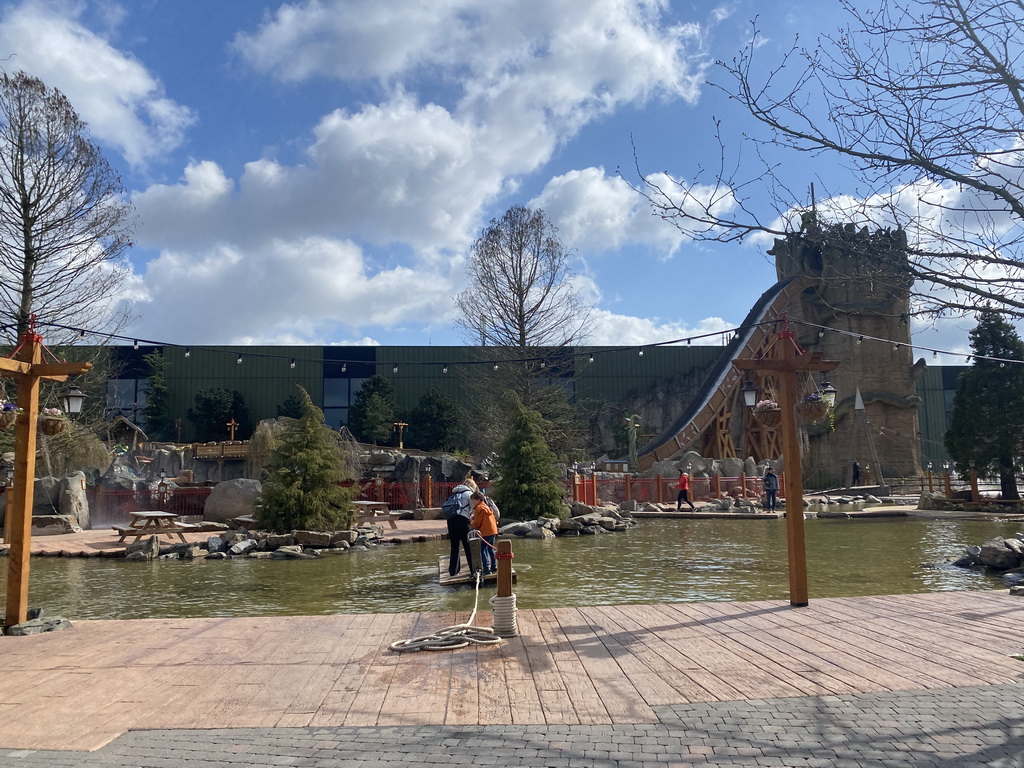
{"points": [[610, 329], [292, 291], [595, 213], [122, 102]]}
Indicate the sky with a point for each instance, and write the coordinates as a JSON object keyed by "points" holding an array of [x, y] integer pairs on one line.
{"points": [[316, 171]]}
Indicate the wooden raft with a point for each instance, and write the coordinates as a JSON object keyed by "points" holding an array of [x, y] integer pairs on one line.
{"points": [[465, 575]]}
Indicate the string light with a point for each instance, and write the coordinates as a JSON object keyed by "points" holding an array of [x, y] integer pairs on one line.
{"points": [[445, 369], [935, 354], [591, 359], [495, 367], [641, 353], [821, 333], [188, 352], [135, 345], [895, 346], [395, 369], [543, 364], [239, 360], [860, 339], [292, 363], [344, 367]]}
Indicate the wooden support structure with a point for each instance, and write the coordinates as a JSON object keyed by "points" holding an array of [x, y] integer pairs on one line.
{"points": [[786, 361], [503, 556], [28, 368]]}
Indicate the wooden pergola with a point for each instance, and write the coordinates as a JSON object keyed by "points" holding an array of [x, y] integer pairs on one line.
{"points": [[27, 367]]}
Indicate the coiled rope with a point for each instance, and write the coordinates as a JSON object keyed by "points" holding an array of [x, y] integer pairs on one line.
{"points": [[461, 635], [455, 636]]}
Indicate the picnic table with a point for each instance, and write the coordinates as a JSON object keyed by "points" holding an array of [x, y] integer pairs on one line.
{"points": [[373, 512], [150, 523]]}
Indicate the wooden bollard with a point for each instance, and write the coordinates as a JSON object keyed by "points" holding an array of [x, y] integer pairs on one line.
{"points": [[504, 558]]}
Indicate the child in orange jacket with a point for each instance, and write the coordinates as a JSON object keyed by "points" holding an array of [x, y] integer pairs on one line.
{"points": [[485, 525]]}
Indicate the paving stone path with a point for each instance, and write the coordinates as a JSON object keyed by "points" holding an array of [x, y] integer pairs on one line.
{"points": [[968, 726]]}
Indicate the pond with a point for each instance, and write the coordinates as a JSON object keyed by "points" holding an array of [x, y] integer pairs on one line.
{"points": [[661, 561]]}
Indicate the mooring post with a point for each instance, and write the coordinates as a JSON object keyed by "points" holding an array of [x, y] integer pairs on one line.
{"points": [[504, 558]]}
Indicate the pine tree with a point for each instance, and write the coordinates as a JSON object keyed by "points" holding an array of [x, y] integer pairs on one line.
{"points": [[528, 486], [373, 414], [435, 421], [987, 425], [159, 424], [214, 408], [301, 490]]}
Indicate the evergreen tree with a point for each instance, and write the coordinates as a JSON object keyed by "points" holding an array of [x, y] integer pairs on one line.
{"points": [[987, 425], [528, 485], [159, 422], [435, 421], [301, 490], [373, 415], [291, 408], [214, 408]]}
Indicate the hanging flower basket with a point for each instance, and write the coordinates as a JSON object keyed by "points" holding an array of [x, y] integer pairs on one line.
{"points": [[52, 422], [812, 410], [768, 413]]}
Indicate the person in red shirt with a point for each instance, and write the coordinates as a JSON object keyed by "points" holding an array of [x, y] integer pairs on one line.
{"points": [[485, 525], [683, 484]]}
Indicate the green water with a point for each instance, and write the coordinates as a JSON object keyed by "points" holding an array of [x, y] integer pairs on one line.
{"points": [[661, 561]]}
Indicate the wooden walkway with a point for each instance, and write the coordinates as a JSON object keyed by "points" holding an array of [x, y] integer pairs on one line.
{"points": [[80, 688]]}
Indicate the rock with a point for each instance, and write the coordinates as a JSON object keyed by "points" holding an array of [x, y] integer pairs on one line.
{"points": [[292, 552], [572, 525], [37, 626], [629, 506], [46, 496], [1017, 590], [215, 544], [232, 498], [270, 542], [243, 547], [72, 499], [995, 554], [54, 525], [541, 532], [143, 550], [217, 556]]}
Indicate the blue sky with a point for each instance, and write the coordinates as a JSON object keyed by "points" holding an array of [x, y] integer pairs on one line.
{"points": [[315, 172]]}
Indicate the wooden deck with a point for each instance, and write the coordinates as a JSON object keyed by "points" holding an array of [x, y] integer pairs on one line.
{"points": [[80, 688]]}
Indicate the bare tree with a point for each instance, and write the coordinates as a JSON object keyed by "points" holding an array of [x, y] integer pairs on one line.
{"points": [[521, 293], [923, 102], [65, 225], [522, 305]]}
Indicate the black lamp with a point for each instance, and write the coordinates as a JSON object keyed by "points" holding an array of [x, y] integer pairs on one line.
{"points": [[828, 393], [73, 400], [749, 390]]}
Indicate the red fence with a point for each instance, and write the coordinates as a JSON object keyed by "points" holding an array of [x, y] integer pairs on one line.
{"points": [[108, 507]]}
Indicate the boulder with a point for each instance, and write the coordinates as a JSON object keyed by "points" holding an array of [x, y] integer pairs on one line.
{"points": [[995, 554], [54, 525], [232, 498], [143, 550], [72, 499]]}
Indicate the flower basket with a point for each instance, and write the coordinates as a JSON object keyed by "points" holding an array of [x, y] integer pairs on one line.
{"points": [[7, 419], [812, 410], [52, 425], [769, 417]]}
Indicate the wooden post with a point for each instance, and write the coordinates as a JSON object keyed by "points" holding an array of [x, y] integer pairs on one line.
{"points": [[718, 485], [504, 558], [743, 485], [789, 358], [428, 491], [28, 368], [975, 495]]}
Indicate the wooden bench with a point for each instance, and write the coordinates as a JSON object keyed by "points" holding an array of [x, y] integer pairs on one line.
{"points": [[131, 530]]}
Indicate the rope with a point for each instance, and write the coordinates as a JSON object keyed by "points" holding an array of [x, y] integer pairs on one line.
{"points": [[461, 635]]}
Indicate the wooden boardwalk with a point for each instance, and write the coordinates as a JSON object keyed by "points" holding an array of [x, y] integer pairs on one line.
{"points": [[80, 688]]}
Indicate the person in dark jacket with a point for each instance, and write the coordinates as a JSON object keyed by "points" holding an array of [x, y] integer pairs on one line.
{"points": [[459, 526], [771, 489]]}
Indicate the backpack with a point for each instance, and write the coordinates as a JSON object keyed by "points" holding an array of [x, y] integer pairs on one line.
{"points": [[494, 507], [452, 507]]}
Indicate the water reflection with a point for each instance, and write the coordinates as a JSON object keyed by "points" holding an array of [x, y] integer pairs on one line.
{"points": [[661, 561]]}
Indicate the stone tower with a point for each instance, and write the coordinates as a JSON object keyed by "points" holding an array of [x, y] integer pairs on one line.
{"points": [[857, 286]]}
